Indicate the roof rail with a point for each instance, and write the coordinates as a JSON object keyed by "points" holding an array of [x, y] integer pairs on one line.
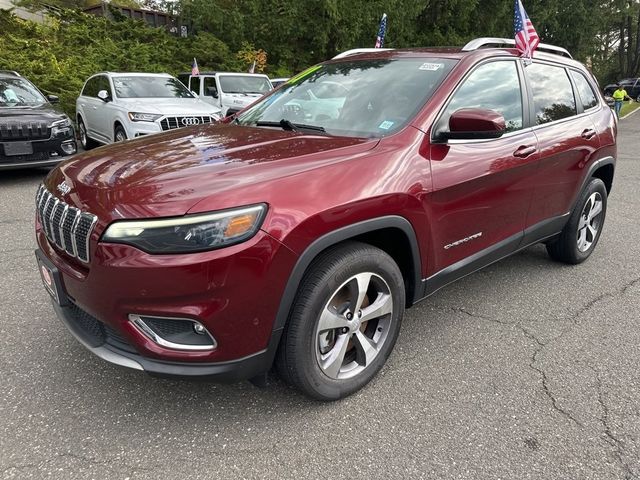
{"points": [[355, 51], [10, 72], [492, 42]]}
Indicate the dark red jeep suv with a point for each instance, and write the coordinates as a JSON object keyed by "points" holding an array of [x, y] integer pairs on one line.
{"points": [[296, 233]]}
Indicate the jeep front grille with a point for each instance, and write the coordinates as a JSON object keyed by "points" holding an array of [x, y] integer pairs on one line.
{"points": [[12, 131], [65, 226], [171, 123]]}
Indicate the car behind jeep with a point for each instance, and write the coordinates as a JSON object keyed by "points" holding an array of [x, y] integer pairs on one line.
{"points": [[297, 233], [33, 132]]}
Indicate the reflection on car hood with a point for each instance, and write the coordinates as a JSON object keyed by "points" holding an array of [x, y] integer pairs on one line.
{"points": [[168, 174], [168, 106]]}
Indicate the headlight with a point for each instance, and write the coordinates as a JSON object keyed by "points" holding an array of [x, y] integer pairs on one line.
{"points": [[61, 127], [192, 233], [215, 116], [143, 117]]}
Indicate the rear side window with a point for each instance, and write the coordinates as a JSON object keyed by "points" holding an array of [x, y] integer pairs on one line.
{"points": [[585, 92], [492, 86], [552, 93]]}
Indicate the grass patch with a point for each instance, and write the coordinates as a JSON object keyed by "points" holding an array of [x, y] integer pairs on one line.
{"points": [[627, 108]]}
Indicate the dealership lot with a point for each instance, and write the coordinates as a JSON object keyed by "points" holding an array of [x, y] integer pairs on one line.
{"points": [[528, 369]]}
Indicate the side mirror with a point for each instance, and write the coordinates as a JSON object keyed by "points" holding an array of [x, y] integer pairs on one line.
{"points": [[474, 124], [53, 99], [194, 93], [214, 94], [104, 95]]}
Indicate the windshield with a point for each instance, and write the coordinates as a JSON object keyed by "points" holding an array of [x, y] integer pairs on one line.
{"points": [[16, 92], [242, 84], [150, 87], [366, 98]]}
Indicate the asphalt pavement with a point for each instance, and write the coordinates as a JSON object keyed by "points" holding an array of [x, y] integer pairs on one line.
{"points": [[528, 369]]}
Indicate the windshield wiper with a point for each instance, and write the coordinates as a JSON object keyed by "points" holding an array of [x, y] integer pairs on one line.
{"points": [[290, 126]]}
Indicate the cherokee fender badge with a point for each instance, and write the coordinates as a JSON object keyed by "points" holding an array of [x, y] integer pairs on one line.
{"points": [[463, 240], [63, 188]]}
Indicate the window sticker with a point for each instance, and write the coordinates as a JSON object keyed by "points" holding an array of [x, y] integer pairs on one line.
{"points": [[386, 125], [431, 67]]}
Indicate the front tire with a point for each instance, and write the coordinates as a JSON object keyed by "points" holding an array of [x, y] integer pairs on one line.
{"points": [[582, 232], [344, 321], [119, 135]]}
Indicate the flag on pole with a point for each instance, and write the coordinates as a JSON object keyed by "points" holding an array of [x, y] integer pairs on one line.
{"points": [[194, 67], [252, 68], [381, 31], [527, 39]]}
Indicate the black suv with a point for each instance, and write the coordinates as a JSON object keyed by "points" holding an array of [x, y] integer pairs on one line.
{"points": [[33, 133]]}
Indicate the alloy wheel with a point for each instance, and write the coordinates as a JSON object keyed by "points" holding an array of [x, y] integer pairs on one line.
{"points": [[353, 326], [590, 221]]}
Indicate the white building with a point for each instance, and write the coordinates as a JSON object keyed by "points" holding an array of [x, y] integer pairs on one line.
{"points": [[21, 12]]}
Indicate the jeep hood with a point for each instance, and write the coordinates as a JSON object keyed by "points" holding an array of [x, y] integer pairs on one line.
{"points": [[168, 174]]}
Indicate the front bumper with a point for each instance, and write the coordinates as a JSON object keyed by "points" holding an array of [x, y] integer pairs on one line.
{"points": [[45, 153], [111, 348], [234, 292]]}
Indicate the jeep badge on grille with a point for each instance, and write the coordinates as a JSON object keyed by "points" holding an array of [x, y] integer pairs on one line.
{"points": [[63, 188]]}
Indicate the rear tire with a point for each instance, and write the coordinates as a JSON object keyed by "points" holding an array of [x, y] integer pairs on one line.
{"points": [[582, 232], [344, 322], [86, 142]]}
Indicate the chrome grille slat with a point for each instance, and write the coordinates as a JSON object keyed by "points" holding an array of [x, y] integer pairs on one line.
{"points": [[66, 227], [171, 123]]}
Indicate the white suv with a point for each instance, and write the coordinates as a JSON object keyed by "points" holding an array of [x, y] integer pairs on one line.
{"points": [[231, 92], [116, 106]]}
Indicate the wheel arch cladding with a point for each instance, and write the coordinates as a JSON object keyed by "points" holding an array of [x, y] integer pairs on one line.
{"points": [[605, 173], [392, 234]]}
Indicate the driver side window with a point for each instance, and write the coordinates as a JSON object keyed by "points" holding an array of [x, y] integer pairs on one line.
{"points": [[492, 86]]}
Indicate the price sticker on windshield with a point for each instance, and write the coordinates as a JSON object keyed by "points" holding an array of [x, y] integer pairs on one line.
{"points": [[431, 67]]}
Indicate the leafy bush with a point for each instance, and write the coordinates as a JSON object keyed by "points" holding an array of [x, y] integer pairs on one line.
{"points": [[60, 55]]}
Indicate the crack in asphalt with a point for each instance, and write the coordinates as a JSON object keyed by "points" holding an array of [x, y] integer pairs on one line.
{"points": [[615, 442], [538, 350]]}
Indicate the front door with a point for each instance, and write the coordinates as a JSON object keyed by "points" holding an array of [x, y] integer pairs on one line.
{"points": [[482, 189]]}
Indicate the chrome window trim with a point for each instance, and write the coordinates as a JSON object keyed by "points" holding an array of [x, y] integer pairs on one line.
{"points": [[143, 328]]}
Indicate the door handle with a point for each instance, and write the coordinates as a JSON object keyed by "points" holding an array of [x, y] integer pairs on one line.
{"points": [[588, 133], [524, 151]]}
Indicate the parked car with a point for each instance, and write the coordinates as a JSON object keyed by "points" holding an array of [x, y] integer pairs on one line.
{"points": [[276, 82], [113, 107], [631, 85], [230, 92], [33, 132], [221, 250]]}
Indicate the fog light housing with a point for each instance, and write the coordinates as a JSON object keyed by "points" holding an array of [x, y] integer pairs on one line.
{"points": [[174, 333], [69, 147]]}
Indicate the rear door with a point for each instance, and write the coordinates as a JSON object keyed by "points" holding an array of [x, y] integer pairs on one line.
{"points": [[567, 140], [482, 188]]}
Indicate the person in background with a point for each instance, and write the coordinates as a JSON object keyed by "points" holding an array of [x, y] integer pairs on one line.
{"points": [[619, 96]]}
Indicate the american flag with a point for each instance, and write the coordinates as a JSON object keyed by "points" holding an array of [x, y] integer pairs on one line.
{"points": [[381, 31], [194, 67], [527, 39]]}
